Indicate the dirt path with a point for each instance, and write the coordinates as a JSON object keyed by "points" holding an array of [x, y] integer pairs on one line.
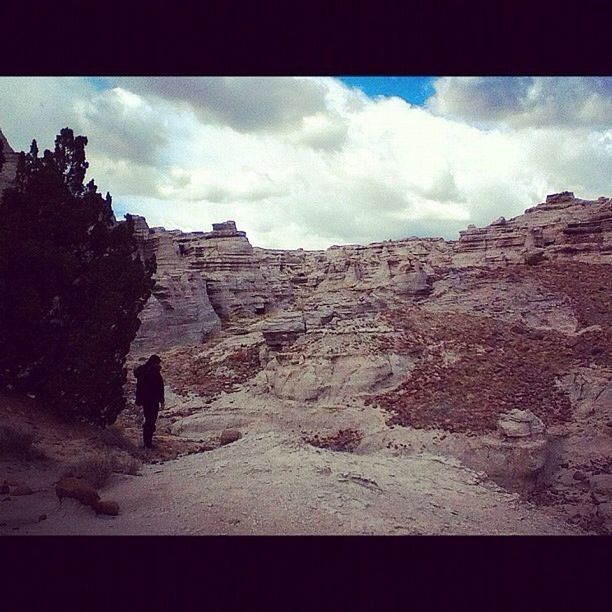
{"points": [[274, 484]]}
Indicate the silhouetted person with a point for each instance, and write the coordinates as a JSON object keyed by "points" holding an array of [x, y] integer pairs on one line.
{"points": [[149, 395]]}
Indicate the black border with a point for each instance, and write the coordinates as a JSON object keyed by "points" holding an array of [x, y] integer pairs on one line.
{"points": [[447, 573], [253, 38], [259, 37]]}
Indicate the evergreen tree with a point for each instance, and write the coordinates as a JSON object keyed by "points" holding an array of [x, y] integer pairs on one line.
{"points": [[71, 286]]}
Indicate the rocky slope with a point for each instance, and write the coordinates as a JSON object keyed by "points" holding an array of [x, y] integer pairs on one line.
{"points": [[493, 349]]}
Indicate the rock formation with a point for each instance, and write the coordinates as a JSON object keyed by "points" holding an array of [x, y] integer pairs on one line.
{"points": [[7, 174], [501, 340], [209, 279]]}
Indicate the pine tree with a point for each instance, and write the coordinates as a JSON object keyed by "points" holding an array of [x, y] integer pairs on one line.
{"points": [[71, 286]]}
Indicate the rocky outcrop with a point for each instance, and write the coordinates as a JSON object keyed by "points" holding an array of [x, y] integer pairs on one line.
{"points": [[7, 173], [519, 424], [208, 279], [561, 226], [282, 331], [179, 310]]}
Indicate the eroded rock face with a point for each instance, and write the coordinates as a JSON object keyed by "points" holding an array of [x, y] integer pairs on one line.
{"points": [[179, 310], [207, 279], [561, 226]]}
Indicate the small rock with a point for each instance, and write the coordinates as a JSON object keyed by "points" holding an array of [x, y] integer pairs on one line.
{"points": [[605, 511], [520, 423], [22, 490], [578, 475], [229, 435], [106, 507], [42, 517]]}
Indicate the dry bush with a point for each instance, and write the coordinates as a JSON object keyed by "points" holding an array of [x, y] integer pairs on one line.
{"points": [[113, 436], [97, 469], [94, 469], [15, 440], [345, 440], [124, 463]]}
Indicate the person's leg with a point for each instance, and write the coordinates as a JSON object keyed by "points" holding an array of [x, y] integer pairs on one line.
{"points": [[148, 425], [154, 413]]}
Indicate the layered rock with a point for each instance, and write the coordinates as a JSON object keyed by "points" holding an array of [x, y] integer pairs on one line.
{"points": [[561, 226], [179, 310], [209, 278]]}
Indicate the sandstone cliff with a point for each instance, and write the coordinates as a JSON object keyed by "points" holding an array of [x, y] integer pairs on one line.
{"points": [[494, 349], [209, 279]]}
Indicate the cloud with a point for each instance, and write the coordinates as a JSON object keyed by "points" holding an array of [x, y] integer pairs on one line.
{"points": [[38, 108], [244, 104], [525, 101], [310, 162], [122, 125]]}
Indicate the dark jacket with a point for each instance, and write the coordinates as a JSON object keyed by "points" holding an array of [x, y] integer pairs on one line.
{"points": [[149, 385]]}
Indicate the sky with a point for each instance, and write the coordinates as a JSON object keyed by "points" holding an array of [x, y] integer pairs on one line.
{"points": [[309, 162]]}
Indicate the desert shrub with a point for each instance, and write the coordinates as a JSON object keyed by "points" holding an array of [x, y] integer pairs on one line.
{"points": [[94, 469], [114, 437], [15, 440], [345, 440], [124, 463]]}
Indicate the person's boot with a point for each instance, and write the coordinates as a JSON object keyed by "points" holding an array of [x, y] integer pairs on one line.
{"points": [[147, 439]]}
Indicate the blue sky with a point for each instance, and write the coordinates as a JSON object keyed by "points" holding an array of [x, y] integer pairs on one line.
{"points": [[413, 89]]}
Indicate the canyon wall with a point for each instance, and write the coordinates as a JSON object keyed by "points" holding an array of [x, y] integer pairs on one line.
{"points": [[206, 280]]}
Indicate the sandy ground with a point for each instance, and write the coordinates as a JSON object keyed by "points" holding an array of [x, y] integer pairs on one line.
{"points": [[271, 482]]}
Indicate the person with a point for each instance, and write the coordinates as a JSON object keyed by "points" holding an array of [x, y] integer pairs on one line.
{"points": [[149, 395]]}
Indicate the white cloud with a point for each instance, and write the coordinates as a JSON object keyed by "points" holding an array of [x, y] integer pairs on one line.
{"points": [[308, 162], [525, 101]]}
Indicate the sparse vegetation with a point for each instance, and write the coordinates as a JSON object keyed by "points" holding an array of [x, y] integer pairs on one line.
{"points": [[97, 469], [197, 373], [446, 388], [94, 469], [114, 437], [345, 440]]}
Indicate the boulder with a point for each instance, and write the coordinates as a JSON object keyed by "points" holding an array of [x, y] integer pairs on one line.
{"points": [[413, 283], [515, 463], [534, 257], [520, 424], [283, 330], [78, 489], [605, 512], [22, 490]]}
